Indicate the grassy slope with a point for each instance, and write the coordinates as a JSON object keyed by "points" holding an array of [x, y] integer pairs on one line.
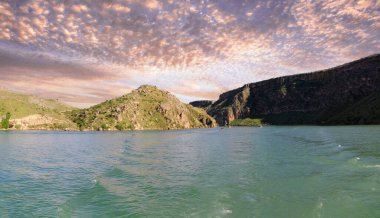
{"points": [[246, 122], [145, 108], [20, 106]]}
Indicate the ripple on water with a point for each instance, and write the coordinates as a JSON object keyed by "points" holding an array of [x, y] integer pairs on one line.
{"points": [[237, 172]]}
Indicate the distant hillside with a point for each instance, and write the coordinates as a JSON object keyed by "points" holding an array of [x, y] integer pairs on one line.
{"points": [[204, 104], [347, 94], [145, 108], [31, 112]]}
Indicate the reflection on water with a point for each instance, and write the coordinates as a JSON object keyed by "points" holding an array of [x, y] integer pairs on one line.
{"points": [[240, 172]]}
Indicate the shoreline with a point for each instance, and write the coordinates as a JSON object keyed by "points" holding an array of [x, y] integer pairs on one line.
{"points": [[88, 130], [218, 127]]}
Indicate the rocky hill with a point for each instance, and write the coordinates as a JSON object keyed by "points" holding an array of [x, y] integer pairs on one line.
{"points": [[347, 94], [144, 108], [31, 112]]}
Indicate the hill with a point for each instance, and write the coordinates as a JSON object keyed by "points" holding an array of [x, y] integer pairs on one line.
{"points": [[347, 94], [31, 112], [204, 104], [144, 108]]}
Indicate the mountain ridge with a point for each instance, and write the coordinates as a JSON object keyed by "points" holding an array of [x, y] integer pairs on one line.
{"points": [[308, 98], [345, 94]]}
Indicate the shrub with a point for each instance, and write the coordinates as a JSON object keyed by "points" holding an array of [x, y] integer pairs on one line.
{"points": [[119, 126], [104, 126], [60, 126], [246, 122], [5, 121], [283, 91]]}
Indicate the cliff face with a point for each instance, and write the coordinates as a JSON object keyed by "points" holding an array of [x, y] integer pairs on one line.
{"points": [[144, 108], [347, 94]]}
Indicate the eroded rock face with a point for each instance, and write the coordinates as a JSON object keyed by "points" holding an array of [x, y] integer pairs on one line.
{"points": [[314, 98], [145, 108], [39, 122]]}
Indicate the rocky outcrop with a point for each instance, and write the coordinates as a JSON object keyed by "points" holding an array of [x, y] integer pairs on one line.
{"points": [[321, 97], [145, 108], [41, 122]]}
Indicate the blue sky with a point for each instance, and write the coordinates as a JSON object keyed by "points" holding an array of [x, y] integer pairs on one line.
{"points": [[84, 52]]}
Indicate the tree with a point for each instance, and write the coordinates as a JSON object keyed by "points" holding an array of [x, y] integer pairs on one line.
{"points": [[5, 121]]}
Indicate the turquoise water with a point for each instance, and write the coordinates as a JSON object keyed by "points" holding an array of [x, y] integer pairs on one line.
{"points": [[238, 172]]}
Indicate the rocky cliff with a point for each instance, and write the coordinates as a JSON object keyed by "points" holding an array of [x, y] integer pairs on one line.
{"points": [[145, 108], [347, 94]]}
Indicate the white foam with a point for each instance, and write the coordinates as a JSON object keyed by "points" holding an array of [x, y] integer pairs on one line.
{"points": [[373, 166], [226, 211], [320, 205]]}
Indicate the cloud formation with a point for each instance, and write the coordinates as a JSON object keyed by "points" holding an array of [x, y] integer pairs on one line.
{"points": [[194, 48]]}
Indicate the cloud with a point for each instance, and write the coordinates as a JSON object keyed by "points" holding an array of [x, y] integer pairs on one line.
{"points": [[225, 43], [75, 83], [79, 8], [46, 67], [151, 4], [117, 7]]}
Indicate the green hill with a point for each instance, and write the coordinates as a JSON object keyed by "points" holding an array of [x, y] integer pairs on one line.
{"points": [[144, 108], [31, 112]]}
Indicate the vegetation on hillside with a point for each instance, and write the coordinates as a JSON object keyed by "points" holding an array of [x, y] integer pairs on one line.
{"points": [[144, 108], [21, 105], [247, 122], [31, 112], [5, 121]]}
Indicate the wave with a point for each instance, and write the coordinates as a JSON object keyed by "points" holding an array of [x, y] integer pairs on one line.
{"points": [[372, 166]]}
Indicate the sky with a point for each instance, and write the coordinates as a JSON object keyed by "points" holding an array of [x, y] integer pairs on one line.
{"points": [[84, 52]]}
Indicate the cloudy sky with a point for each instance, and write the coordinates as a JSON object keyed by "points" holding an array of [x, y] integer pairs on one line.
{"points": [[84, 52]]}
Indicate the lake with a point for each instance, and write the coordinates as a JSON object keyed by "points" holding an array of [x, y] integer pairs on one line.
{"points": [[289, 171]]}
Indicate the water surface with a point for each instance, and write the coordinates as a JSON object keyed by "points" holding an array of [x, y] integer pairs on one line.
{"points": [[238, 172]]}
